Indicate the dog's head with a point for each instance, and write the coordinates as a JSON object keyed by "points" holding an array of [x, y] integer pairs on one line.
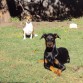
{"points": [[50, 39], [28, 18]]}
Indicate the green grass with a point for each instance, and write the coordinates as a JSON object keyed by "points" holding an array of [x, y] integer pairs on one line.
{"points": [[19, 58]]}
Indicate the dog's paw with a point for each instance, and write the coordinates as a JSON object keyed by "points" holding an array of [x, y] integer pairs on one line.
{"points": [[58, 72], [24, 38], [30, 37]]}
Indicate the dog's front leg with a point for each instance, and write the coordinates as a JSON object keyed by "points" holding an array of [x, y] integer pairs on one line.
{"points": [[24, 36], [60, 66], [46, 65], [63, 67], [55, 70], [31, 36]]}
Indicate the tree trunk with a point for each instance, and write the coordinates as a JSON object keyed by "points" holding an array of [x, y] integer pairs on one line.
{"points": [[4, 13]]}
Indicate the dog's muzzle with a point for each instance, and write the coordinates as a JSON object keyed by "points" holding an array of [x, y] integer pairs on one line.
{"points": [[49, 44]]}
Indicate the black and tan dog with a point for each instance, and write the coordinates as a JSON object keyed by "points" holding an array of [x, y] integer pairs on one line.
{"points": [[54, 57]]}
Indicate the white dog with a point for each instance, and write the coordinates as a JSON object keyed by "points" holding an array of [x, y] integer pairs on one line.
{"points": [[28, 29]]}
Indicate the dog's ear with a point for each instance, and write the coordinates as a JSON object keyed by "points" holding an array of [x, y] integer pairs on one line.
{"points": [[56, 35], [43, 36]]}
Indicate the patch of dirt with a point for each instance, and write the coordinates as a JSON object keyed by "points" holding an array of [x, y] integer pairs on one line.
{"points": [[14, 24], [5, 24], [43, 24], [78, 68]]}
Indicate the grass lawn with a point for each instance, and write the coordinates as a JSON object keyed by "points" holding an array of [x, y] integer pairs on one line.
{"points": [[19, 58]]}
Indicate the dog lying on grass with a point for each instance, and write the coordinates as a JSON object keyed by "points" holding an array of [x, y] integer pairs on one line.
{"points": [[54, 58]]}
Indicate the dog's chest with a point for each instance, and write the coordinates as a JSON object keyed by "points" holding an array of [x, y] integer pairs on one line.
{"points": [[51, 56], [28, 28]]}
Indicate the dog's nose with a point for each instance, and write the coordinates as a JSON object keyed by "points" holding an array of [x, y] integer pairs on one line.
{"points": [[49, 44]]}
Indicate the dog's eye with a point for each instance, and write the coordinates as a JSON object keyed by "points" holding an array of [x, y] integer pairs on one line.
{"points": [[46, 39]]}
